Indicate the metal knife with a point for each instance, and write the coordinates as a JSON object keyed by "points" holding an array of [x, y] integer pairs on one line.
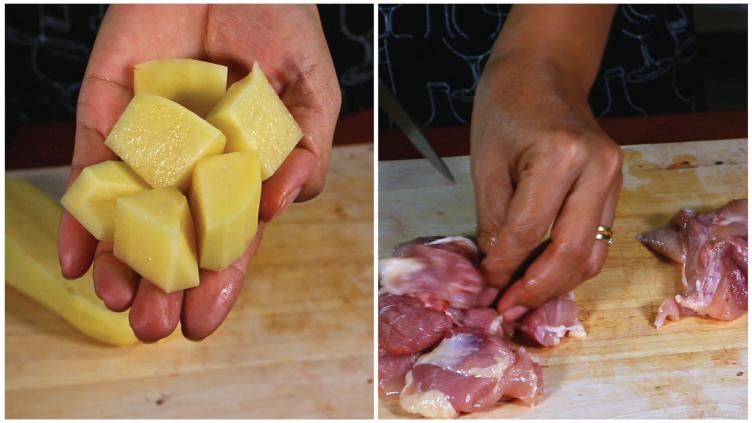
{"points": [[391, 106]]}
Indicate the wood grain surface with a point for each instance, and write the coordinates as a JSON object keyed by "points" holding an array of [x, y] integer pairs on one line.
{"points": [[297, 344], [624, 368]]}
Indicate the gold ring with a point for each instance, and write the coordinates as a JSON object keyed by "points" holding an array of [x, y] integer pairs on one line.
{"points": [[605, 230], [600, 236]]}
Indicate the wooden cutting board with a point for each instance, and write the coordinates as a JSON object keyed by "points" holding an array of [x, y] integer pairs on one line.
{"points": [[297, 344], [624, 368]]}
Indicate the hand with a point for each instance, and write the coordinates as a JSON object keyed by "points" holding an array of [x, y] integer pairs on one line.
{"points": [[289, 43], [539, 159]]}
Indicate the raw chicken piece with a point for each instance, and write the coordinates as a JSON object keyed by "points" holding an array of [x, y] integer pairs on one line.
{"points": [[486, 319], [392, 371], [523, 380], [669, 309], [713, 250], [438, 277], [456, 244], [433, 293], [466, 373], [553, 320], [406, 326]]}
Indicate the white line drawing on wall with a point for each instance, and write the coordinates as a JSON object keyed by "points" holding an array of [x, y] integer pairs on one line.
{"points": [[47, 52], [651, 69], [501, 17], [386, 13], [678, 26], [474, 62], [363, 71], [678, 93], [16, 36], [617, 93], [634, 17], [440, 102]]}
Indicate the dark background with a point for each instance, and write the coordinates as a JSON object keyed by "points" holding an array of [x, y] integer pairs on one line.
{"points": [[47, 48], [660, 59]]}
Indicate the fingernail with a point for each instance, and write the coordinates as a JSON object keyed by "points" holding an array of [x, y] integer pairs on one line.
{"points": [[289, 198], [514, 313]]}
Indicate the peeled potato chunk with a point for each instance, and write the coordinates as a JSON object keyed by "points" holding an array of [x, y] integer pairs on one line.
{"points": [[91, 199], [32, 267], [162, 140], [192, 83], [154, 235], [224, 198], [253, 118]]}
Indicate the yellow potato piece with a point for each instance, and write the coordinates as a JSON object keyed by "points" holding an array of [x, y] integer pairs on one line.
{"points": [[224, 198], [253, 118], [91, 198], [194, 84], [32, 267], [154, 235], [162, 140]]}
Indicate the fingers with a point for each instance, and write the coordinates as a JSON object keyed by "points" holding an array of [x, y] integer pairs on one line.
{"points": [[543, 185], [574, 254], [114, 281], [285, 186], [154, 314], [75, 246], [493, 190], [599, 253], [207, 305]]}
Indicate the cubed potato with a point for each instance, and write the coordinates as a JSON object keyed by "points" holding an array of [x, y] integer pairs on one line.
{"points": [[194, 84], [154, 235], [162, 140], [253, 118], [91, 198], [224, 198]]}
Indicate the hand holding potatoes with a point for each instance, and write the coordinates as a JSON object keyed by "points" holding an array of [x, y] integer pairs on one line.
{"points": [[297, 65]]}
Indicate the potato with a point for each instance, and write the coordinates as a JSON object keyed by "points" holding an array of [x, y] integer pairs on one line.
{"points": [[154, 235], [224, 199], [253, 118], [194, 84], [162, 140], [91, 198], [32, 267]]}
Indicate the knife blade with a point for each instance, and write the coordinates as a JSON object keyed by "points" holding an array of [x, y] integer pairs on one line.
{"points": [[391, 106]]}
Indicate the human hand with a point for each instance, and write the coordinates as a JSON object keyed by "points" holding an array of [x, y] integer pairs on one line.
{"points": [[539, 159], [289, 43]]}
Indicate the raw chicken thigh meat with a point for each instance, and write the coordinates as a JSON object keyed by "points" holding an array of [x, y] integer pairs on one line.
{"points": [[442, 349], [712, 249]]}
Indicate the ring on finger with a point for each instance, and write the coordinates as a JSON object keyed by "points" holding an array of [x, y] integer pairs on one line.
{"points": [[605, 234]]}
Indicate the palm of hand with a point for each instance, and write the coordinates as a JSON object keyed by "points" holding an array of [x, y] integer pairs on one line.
{"points": [[288, 43]]}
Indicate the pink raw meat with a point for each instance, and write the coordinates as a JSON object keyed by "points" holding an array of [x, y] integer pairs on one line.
{"points": [[469, 371], [406, 326], [438, 277], [434, 301], [456, 244], [553, 320], [713, 250], [392, 371]]}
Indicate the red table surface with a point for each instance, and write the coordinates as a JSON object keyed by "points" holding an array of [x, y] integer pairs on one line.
{"points": [[455, 141]]}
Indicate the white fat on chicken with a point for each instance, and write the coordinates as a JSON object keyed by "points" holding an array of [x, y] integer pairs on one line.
{"points": [[574, 331], [454, 349], [458, 239], [496, 323], [390, 270], [433, 403]]}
